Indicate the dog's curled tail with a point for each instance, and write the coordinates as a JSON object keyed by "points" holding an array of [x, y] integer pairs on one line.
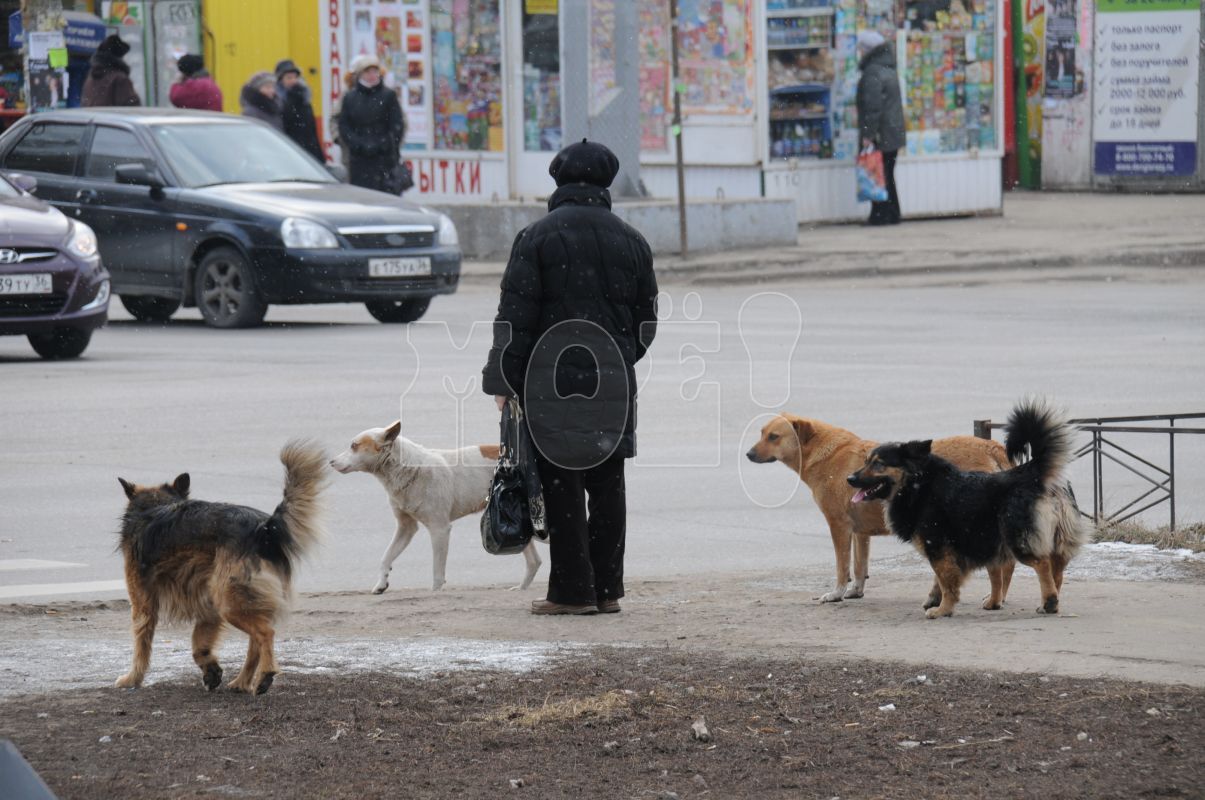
{"points": [[300, 510], [1034, 426]]}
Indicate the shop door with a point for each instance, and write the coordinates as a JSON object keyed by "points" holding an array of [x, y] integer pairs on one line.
{"points": [[536, 115]]}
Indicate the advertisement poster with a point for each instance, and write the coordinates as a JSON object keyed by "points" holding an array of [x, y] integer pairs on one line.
{"points": [[603, 82], [716, 56], [1147, 62], [1061, 37], [416, 98], [47, 70], [655, 105], [363, 31], [1034, 43]]}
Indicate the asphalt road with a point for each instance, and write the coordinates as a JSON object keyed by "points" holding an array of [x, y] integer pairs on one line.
{"points": [[150, 401]]}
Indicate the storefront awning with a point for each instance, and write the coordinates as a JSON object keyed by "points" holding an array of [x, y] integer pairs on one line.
{"points": [[84, 32]]}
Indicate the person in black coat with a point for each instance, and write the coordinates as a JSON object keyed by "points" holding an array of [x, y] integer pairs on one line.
{"points": [[577, 311], [371, 127], [296, 110]]}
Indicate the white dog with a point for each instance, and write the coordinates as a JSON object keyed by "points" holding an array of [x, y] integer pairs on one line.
{"points": [[434, 487]]}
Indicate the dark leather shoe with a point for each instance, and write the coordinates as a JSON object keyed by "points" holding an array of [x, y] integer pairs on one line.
{"points": [[549, 608], [608, 607]]}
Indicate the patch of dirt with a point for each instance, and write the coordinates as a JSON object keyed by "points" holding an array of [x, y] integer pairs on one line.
{"points": [[619, 721]]}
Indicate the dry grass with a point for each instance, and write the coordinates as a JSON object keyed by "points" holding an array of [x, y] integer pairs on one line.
{"points": [[1188, 537], [601, 706]]}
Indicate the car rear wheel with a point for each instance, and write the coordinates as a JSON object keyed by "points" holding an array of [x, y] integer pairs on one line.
{"points": [[225, 292], [398, 310], [60, 343], [147, 308]]}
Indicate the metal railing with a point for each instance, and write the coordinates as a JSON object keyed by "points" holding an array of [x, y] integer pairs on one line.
{"points": [[1102, 447]]}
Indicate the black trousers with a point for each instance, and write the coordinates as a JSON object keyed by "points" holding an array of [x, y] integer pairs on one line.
{"points": [[888, 212], [585, 538]]}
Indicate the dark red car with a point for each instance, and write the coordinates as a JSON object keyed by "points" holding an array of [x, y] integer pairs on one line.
{"points": [[53, 288]]}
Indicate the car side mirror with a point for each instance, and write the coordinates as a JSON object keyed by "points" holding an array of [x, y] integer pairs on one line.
{"points": [[137, 175], [338, 170], [26, 183]]}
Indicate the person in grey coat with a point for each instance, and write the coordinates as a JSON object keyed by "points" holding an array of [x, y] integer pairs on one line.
{"points": [[881, 116], [258, 100]]}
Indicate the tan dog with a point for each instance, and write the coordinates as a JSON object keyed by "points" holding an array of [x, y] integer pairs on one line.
{"points": [[823, 456]]}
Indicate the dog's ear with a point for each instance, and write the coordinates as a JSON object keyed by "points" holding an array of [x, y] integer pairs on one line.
{"points": [[181, 484], [918, 450], [803, 430], [392, 431], [128, 487]]}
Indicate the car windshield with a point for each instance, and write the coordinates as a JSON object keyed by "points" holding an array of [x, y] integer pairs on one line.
{"points": [[209, 154]]}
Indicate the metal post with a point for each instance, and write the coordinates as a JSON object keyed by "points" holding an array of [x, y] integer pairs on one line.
{"points": [[1098, 490], [983, 428], [1171, 474], [673, 18]]}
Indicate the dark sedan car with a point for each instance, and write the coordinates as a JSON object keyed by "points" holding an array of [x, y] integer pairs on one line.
{"points": [[227, 214], [53, 288]]}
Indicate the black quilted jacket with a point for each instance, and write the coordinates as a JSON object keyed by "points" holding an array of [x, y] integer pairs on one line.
{"points": [[581, 265]]}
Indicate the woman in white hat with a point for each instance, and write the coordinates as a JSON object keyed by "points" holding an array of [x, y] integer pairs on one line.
{"points": [[371, 127], [881, 115]]}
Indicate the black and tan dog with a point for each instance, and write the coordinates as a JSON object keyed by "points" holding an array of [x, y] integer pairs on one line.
{"points": [[216, 564], [962, 520]]}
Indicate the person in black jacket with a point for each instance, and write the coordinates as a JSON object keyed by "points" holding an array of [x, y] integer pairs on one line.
{"points": [[881, 116], [371, 127], [296, 111], [577, 311]]}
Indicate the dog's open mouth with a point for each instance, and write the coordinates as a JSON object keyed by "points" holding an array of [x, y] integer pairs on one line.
{"points": [[877, 491]]}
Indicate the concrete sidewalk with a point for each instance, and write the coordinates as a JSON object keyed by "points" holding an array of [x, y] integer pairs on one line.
{"points": [[1038, 231]]}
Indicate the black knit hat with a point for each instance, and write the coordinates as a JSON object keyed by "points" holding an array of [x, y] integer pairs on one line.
{"points": [[584, 162], [285, 67], [190, 64], [113, 46]]}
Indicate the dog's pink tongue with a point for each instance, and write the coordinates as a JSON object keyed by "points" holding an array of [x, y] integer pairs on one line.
{"points": [[859, 496]]}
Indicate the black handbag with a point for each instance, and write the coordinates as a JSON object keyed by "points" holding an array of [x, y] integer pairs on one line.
{"points": [[514, 508], [400, 178]]}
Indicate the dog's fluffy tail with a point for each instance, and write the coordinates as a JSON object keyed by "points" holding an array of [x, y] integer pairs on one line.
{"points": [[1035, 427], [300, 512], [1072, 530]]}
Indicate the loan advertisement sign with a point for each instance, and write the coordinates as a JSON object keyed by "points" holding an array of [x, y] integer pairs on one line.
{"points": [[1147, 69]]}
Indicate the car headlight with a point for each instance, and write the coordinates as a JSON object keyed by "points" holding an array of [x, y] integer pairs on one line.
{"points": [[447, 231], [305, 235], [102, 297], [82, 241]]}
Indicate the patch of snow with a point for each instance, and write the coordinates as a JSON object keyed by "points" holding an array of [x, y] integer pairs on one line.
{"points": [[35, 666]]}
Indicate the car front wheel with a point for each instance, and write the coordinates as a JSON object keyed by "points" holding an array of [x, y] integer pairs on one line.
{"points": [[225, 292], [147, 308], [398, 310], [60, 343]]}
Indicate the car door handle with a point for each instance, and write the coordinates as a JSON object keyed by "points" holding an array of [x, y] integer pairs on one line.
{"points": [[86, 195]]}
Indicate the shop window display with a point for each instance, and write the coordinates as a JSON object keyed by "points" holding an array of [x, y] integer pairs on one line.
{"points": [[947, 66], [541, 83], [799, 40], [466, 47]]}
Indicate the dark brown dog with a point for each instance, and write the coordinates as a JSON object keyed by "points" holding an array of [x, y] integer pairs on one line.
{"points": [[824, 455], [216, 564]]}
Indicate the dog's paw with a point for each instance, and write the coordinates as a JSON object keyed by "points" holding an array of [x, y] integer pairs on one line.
{"points": [[934, 613], [835, 596], [1050, 606], [239, 684], [853, 593], [265, 682], [437, 585], [128, 681], [212, 676], [988, 605], [381, 586]]}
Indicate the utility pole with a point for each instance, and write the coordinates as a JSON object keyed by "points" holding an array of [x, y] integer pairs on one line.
{"points": [[677, 129]]}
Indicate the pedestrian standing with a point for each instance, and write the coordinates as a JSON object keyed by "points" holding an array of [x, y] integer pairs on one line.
{"points": [[297, 110], [108, 82], [880, 116], [258, 99], [195, 89], [577, 311], [371, 128]]}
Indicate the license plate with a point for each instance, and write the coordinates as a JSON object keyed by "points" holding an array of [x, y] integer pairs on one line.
{"points": [[36, 283], [398, 267]]}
